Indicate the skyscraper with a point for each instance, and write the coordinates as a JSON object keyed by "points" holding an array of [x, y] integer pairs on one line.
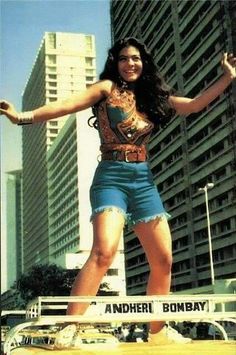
{"points": [[65, 64], [14, 226], [187, 39]]}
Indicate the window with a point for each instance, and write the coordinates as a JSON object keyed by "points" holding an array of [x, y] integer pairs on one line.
{"points": [[52, 40], [52, 69], [200, 235], [225, 225], [198, 137], [53, 130], [88, 40], [89, 78], [222, 199], [52, 76], [52, 84], [112, 272], [89, 61], [89, 71], [53, 123], [219, 147], [220, 173], [53, 92], [51, 59]]}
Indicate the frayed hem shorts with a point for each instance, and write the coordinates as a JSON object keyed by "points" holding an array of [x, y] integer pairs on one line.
{"points": [[128, 188]]}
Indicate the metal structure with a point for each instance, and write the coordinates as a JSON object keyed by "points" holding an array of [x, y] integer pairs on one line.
{"points": [[198, 308]]}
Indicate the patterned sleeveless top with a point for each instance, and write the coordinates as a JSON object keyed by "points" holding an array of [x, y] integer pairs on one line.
{"points": [[119, 122]]}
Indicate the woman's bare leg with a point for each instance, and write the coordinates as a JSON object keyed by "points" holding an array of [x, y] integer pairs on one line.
{"points": [[107, 229], [156, 240]]}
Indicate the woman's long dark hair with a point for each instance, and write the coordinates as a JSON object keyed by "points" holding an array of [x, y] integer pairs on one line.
{"points": [[150, 89]]}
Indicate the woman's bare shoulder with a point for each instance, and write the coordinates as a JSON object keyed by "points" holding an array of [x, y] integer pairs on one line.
{"points": [[106, 86]]}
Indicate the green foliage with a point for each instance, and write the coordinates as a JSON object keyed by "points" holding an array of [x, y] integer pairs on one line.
{"points": [[45, 280], [50, 280]]}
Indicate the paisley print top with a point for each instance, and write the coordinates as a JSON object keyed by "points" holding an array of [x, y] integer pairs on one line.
{"points": [[119, 122]]}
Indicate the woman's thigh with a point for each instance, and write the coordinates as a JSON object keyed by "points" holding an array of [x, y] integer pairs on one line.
{"points": [[155, 238], [107, 229]]}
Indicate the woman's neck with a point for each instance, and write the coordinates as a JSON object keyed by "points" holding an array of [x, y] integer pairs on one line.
{"points": [[127, 85]]}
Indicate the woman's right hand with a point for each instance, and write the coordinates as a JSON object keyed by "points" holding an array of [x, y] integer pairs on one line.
{"points": [[7, 109]]}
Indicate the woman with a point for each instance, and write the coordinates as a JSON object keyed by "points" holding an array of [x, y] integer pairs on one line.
{"points": [[130, 100]]}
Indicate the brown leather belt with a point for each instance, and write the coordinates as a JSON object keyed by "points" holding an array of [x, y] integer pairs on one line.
{"points": [[126, 155]]}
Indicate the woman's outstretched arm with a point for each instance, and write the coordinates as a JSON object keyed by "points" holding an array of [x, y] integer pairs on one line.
{"points": [[74, 103], [186, 106]]}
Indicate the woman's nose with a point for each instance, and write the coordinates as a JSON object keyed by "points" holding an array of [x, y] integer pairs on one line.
{"points": [[130, 61]]}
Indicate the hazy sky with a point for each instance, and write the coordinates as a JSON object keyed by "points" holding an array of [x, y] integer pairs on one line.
{"points": [[23, 24]]}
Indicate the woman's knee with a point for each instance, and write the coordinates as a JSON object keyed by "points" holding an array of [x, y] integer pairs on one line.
{"points": [[163, 263], [107, 227], [167, 262], [103, 257]]}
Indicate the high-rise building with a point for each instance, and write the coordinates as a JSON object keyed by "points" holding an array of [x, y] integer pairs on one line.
{"points": [[71, 164], [65, 64], [187, 39], [14, 226]]}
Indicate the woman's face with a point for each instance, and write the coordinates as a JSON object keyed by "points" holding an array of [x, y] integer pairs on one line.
{"points": [[130, 65]]}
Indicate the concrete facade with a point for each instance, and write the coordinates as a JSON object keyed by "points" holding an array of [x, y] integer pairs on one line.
{"points": [[14, 252], [187, 39], [65, 64]]}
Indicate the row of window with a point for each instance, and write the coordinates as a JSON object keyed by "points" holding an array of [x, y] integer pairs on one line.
{"points": [[136, 261], [180, 220], [218, 255], [67, 248], [176, 200], [195, 19], [63, 193], [183, 265], [137, 279], [59, 209], [66, 172], [215, 150], [219, 201], [68, 145], [217, 175], [202, 261], [66, 162], [62, 241], [64, 219], [206, 131]]}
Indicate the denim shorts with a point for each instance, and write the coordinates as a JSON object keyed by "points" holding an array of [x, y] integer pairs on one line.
{"points": [[128, 187]]}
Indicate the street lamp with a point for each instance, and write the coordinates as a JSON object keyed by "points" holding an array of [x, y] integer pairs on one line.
{"points": [[209, 185]]}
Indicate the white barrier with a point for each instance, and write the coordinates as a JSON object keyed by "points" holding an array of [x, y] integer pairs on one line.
{"points": [[136, 308], [194, 308]]}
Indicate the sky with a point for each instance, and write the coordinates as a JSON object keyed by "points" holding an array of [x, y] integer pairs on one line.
{"points": [[22, 25]]}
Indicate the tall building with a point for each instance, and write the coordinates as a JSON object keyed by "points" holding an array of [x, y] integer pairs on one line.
{"points": [[69, 177], [65, 64], [71, 165], [187, 39], [14, 226]]}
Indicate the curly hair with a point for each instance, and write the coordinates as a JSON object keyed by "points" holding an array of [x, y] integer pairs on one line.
{"points": [[150, 89]]}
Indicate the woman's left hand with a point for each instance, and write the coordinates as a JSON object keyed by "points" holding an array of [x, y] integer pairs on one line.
{"points": [[228, 64]]}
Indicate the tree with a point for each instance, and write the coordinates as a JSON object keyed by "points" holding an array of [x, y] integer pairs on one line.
{"points": [[45, 280], [50, 280]]}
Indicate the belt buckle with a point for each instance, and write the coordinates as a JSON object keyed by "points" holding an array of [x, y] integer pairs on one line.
{"points": [[126, 155]]}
